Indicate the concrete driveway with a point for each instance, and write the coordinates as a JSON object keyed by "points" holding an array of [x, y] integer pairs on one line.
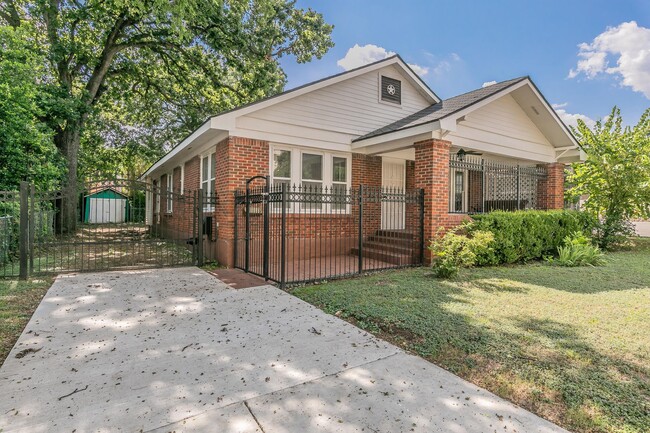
{"points": [[177, 350]]}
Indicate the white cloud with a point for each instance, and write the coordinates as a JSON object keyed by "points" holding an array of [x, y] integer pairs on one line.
{"points": [[420, 70], [571, 119], [630, 45], [489, 83], [362, 55]]}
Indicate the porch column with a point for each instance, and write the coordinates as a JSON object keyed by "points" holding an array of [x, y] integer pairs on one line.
{"points": [[432, 175], [551, 190]]}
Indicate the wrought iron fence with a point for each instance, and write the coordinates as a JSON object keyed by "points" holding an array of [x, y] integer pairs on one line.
{"points": [[9, 230], [477, 185], [101, 225], [298, 234]]}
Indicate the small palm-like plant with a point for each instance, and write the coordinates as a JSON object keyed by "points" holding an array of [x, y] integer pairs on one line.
{"points": [[578, 250]]}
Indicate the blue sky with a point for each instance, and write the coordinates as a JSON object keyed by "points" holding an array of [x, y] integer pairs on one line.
{"points": [[462, 44]]}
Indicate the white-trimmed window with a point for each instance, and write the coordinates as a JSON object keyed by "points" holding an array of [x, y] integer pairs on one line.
{"points": [[182, 178], [170, 192], [339, 182], [458, 191], [207, 177], [315, 171], [282, 167], [156, 189]]}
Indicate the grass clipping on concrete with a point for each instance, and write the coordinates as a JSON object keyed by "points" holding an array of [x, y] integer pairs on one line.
{"points": [[570, 344], [18, 301]]}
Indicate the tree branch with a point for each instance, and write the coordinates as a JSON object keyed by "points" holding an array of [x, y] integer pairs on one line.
{"points": [[9, 13]]}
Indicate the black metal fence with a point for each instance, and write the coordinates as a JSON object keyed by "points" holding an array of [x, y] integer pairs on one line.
{"points": [[477, 185], [296, 234], [101, 225]]}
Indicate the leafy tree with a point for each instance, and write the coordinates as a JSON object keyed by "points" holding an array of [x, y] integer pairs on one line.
{"points": [[185, 58], [616, 174], [28, 152]]}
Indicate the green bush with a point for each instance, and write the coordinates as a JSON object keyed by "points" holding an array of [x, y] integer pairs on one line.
{"points": [[522, 236], [578, 250], [452, 251]]}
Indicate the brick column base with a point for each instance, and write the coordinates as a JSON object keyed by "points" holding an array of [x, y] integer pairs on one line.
{"points": [[550, 191], [432, 175]]}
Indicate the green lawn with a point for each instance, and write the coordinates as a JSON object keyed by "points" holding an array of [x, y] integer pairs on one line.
{"points": [[18, 300], [570, 344]]}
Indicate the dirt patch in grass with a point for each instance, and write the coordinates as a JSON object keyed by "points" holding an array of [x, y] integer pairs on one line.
{"points": [[18, 301]]}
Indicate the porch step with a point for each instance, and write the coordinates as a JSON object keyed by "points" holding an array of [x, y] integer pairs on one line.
{"points": [[401, 234], [384, 256], [392, 246], [388, 240]]}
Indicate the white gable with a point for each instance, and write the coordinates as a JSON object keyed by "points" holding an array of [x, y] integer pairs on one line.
{"points": [[334, 114], [502, 127]]}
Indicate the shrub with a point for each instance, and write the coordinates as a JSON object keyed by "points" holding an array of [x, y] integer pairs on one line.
{"points": [[452, 251], [578, 250], [613, 233], [522, 236]]}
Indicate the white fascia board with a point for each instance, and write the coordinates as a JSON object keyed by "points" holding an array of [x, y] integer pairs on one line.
{"points": [[553, 114], [179, 147], [418, 82], [291, 140], [426, 128]]}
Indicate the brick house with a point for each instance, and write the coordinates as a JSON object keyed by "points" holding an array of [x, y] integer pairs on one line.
{"points": [[498, 147]]}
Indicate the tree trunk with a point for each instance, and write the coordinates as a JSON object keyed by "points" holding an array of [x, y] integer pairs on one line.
{"points": [[69, 141]]}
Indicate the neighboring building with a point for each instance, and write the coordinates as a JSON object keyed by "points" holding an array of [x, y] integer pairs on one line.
{"points": [[498, 147]]}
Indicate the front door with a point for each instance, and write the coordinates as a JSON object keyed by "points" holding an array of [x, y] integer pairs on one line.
{"points": [[393, 173]]}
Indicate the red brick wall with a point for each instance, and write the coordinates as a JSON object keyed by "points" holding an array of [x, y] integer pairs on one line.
{"points": [[237, 160], [432, 174], [550, 191], [366, 170], [192, 175]]}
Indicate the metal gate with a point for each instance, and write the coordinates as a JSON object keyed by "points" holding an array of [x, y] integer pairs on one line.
{"points": [[296, 234], [101, 225]]}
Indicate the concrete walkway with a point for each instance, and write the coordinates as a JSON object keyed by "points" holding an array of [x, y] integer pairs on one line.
{"points": [[177, 350], [642, 228]]}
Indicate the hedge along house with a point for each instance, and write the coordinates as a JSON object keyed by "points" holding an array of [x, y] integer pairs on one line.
{"points": [[498, 147]]}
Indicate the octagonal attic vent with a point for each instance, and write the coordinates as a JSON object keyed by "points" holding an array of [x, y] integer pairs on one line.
{"points": [[391, 90]]}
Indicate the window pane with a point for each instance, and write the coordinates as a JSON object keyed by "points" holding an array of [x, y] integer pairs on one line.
{"points": [[312, 195], [204, 171], [213, 164], [339, 169], [339, 196], [282, 163], [312, 166], [458, 199]]}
